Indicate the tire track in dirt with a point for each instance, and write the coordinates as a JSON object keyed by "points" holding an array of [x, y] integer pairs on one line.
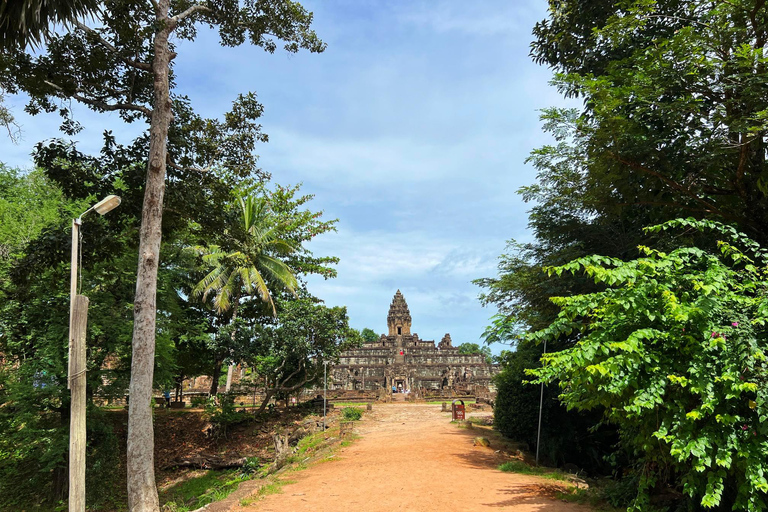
{"points": [[411, 458]]}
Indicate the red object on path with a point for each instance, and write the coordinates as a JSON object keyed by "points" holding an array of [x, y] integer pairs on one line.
{"points": [[458, 410]]}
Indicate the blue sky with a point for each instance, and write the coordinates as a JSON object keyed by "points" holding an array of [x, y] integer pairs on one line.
{"points": [[411, 128]]}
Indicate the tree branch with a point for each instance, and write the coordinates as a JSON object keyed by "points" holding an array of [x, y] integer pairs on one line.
{"points": [[675, 185], [130, 62], [190, 11], [101, 104]]}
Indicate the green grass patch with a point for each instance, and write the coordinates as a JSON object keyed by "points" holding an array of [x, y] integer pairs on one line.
{"points": [[449, 402], [594, 498], [199, 491], [349, 438], [308, 445], [349, 404], [518, 466]]}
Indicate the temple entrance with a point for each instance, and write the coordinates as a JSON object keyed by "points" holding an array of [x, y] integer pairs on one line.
{"points": [[400, 385]]}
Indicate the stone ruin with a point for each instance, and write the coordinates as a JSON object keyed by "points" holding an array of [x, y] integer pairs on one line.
{"points": [[402, 360]]}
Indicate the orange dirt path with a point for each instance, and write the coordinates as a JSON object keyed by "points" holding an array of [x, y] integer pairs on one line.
{"points": [[411, 458]]}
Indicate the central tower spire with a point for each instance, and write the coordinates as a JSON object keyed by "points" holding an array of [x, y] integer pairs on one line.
{"points": [[399, 317]]}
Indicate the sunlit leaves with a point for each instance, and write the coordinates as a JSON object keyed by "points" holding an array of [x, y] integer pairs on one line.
{"points": [[673, 350]]}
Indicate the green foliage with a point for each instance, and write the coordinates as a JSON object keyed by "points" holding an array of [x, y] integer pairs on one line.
{"points": [[251, 465], [197, 492], [566, 436], [369, 335], [352, 413], [29, 23], [518, 466], [474, 348], [674, 351], [220, 410], [288, 351], [674, 119]]}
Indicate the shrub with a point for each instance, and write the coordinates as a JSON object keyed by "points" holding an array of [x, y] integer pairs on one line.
{"points": [[352, 413], [674, 350], [224, 415], [198, 401]]}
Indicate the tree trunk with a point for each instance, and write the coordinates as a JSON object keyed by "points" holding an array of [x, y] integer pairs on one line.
{"points": [[142, 491], [215, 377], [233, 337], [267, 397]]}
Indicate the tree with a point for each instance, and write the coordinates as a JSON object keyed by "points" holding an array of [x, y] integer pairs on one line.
{"points": [[674, 117], [474, 348], [125, 66], [672, 124], [246, 270], [30, 22], [369, 335], [288, 351], [673, 350]]}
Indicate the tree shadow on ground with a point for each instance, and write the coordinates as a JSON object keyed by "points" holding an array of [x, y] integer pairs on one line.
{"points": [[531, 492]]}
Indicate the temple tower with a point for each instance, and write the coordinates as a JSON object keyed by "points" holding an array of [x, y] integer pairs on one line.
{"points": [[399, 317]]}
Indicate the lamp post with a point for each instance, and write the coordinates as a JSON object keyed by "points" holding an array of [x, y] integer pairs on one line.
{"points": [[325, 388], [78, 318], [541, 407]]}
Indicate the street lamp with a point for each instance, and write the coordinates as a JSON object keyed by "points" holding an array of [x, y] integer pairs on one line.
{"points": [[78, 318], [541, 408], [325, 388]]}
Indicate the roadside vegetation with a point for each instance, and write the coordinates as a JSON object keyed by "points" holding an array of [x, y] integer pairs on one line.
{"points": [[645, 277]]}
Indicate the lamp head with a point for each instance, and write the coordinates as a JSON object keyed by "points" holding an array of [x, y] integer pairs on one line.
{"points": [[107, 204]]}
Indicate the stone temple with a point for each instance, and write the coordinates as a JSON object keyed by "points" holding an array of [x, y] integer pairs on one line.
{"points": [[402, 360]]}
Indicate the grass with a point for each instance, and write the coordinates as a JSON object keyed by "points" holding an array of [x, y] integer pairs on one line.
{"points": [[594, 498], [518, 466], [349, 438], [438, 402], [199, 491], [478, 420]]}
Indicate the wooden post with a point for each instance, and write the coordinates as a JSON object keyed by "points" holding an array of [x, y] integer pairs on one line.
{"points": [[77, 379]]}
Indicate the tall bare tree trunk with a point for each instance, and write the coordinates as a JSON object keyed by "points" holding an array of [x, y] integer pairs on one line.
{"points": [[142, 490], [215, 378], [233, 337]]}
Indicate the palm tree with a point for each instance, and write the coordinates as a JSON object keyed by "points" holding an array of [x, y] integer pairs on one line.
{"points": [[25, 22], [248, 270]]}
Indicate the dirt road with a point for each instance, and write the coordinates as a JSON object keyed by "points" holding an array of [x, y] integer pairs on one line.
{"points": [[411, 458]]}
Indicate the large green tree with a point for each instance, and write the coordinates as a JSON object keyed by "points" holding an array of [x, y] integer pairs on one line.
{"points": [[125, 65], [261, 255], [474, 348], [673, 123], [673, 351], [288, 351], [245, 271]]}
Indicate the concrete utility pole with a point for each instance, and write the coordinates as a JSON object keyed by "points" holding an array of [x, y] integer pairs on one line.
{"points": [[76, 365], [541, 407], [325, 389]]}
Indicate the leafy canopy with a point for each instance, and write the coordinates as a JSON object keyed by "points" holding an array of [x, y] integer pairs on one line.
{"points": [[674, 351]]}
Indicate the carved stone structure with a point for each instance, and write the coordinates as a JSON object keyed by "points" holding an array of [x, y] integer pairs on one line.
{"points": [[403, 361]]}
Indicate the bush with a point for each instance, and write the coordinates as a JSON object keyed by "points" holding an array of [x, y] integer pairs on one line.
{"points": [[674, 350], [352, 413], [223, 415], [198, 401], [566, 436]]}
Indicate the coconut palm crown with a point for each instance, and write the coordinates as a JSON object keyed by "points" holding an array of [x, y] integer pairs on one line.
{"points": [[257, 261]]}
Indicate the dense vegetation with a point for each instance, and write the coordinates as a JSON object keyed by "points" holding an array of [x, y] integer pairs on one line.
{"points": [[673, 125], [192, 179]]}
